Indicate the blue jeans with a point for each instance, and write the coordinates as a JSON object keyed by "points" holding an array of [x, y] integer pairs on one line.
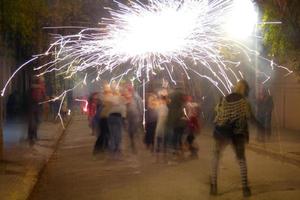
{"points": [[115, 129]]}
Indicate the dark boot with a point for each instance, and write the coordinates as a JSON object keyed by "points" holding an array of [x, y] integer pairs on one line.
{"points": [[213, 189], [246, 192]]}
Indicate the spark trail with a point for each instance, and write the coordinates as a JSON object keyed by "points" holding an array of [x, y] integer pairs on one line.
{"points": [[142, 39]]}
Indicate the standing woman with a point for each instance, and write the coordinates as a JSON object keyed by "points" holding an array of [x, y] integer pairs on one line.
{"points": [[231, 127]]}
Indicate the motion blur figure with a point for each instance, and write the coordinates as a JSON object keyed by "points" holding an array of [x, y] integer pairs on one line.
{"points": [[134, 114], [176, 121], [264, 108], [151, 121], [116, 116], [36, 95], [160, 131], [92, 110], [231, 127], [102, 142], [192, 110]]}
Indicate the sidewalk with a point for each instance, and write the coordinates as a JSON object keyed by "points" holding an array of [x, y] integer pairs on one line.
{"points": [[22, 163], [283, 144]]}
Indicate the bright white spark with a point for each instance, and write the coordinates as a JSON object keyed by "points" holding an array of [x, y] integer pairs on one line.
{"points": [[166, 36], [242, 19]]}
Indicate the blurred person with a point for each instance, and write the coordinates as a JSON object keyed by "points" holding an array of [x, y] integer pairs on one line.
{"points": [[231, 127], [102, 142], [116, 115], [264, 108], [150, 121], [160, 130], [36, 95], [193, 125], [93, 102], [134, 114], [176, 121]]}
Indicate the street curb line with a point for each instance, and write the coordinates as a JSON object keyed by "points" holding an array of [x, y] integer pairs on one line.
{"points": [[274, 155], [41, 171]]}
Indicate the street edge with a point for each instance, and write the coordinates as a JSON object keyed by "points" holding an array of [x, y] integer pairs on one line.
{"points": [[274, 155], [42, 169]]}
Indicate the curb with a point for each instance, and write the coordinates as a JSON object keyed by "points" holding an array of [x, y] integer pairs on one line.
{"points": [[274, 154], [42, 169]]}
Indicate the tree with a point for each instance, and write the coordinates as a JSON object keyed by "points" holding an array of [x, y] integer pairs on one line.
{"points": [[284, 39], [22, 22]]}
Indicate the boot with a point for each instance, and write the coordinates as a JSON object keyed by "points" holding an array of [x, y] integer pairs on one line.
{"points": [[246, 191], [213, 189]]}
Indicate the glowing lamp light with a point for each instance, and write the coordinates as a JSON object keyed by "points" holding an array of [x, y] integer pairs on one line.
{"points": [[242, 19]]}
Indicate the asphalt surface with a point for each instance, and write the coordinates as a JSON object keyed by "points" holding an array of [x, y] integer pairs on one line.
{"points": [[74, 173]]}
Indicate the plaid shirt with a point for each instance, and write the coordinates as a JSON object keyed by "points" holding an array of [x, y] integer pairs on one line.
{"points": [[233, 110]]}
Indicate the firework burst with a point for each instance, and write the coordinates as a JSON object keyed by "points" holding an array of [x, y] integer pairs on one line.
{"points": [[139, 40]]}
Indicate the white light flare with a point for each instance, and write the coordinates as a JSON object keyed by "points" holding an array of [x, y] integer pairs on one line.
{"points": [[242, 19], [165, 30]]}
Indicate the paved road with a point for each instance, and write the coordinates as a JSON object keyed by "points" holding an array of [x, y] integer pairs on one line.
{"points": [[74, 173]]}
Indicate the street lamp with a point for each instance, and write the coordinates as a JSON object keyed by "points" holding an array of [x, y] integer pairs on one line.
{"points": [[242, 19]]}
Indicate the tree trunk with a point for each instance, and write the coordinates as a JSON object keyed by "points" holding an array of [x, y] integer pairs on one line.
{"points": [[1, 129]]}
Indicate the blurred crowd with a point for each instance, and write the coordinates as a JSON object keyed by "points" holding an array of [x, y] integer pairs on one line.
{"points": [[169, 123], [168, 120]]}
